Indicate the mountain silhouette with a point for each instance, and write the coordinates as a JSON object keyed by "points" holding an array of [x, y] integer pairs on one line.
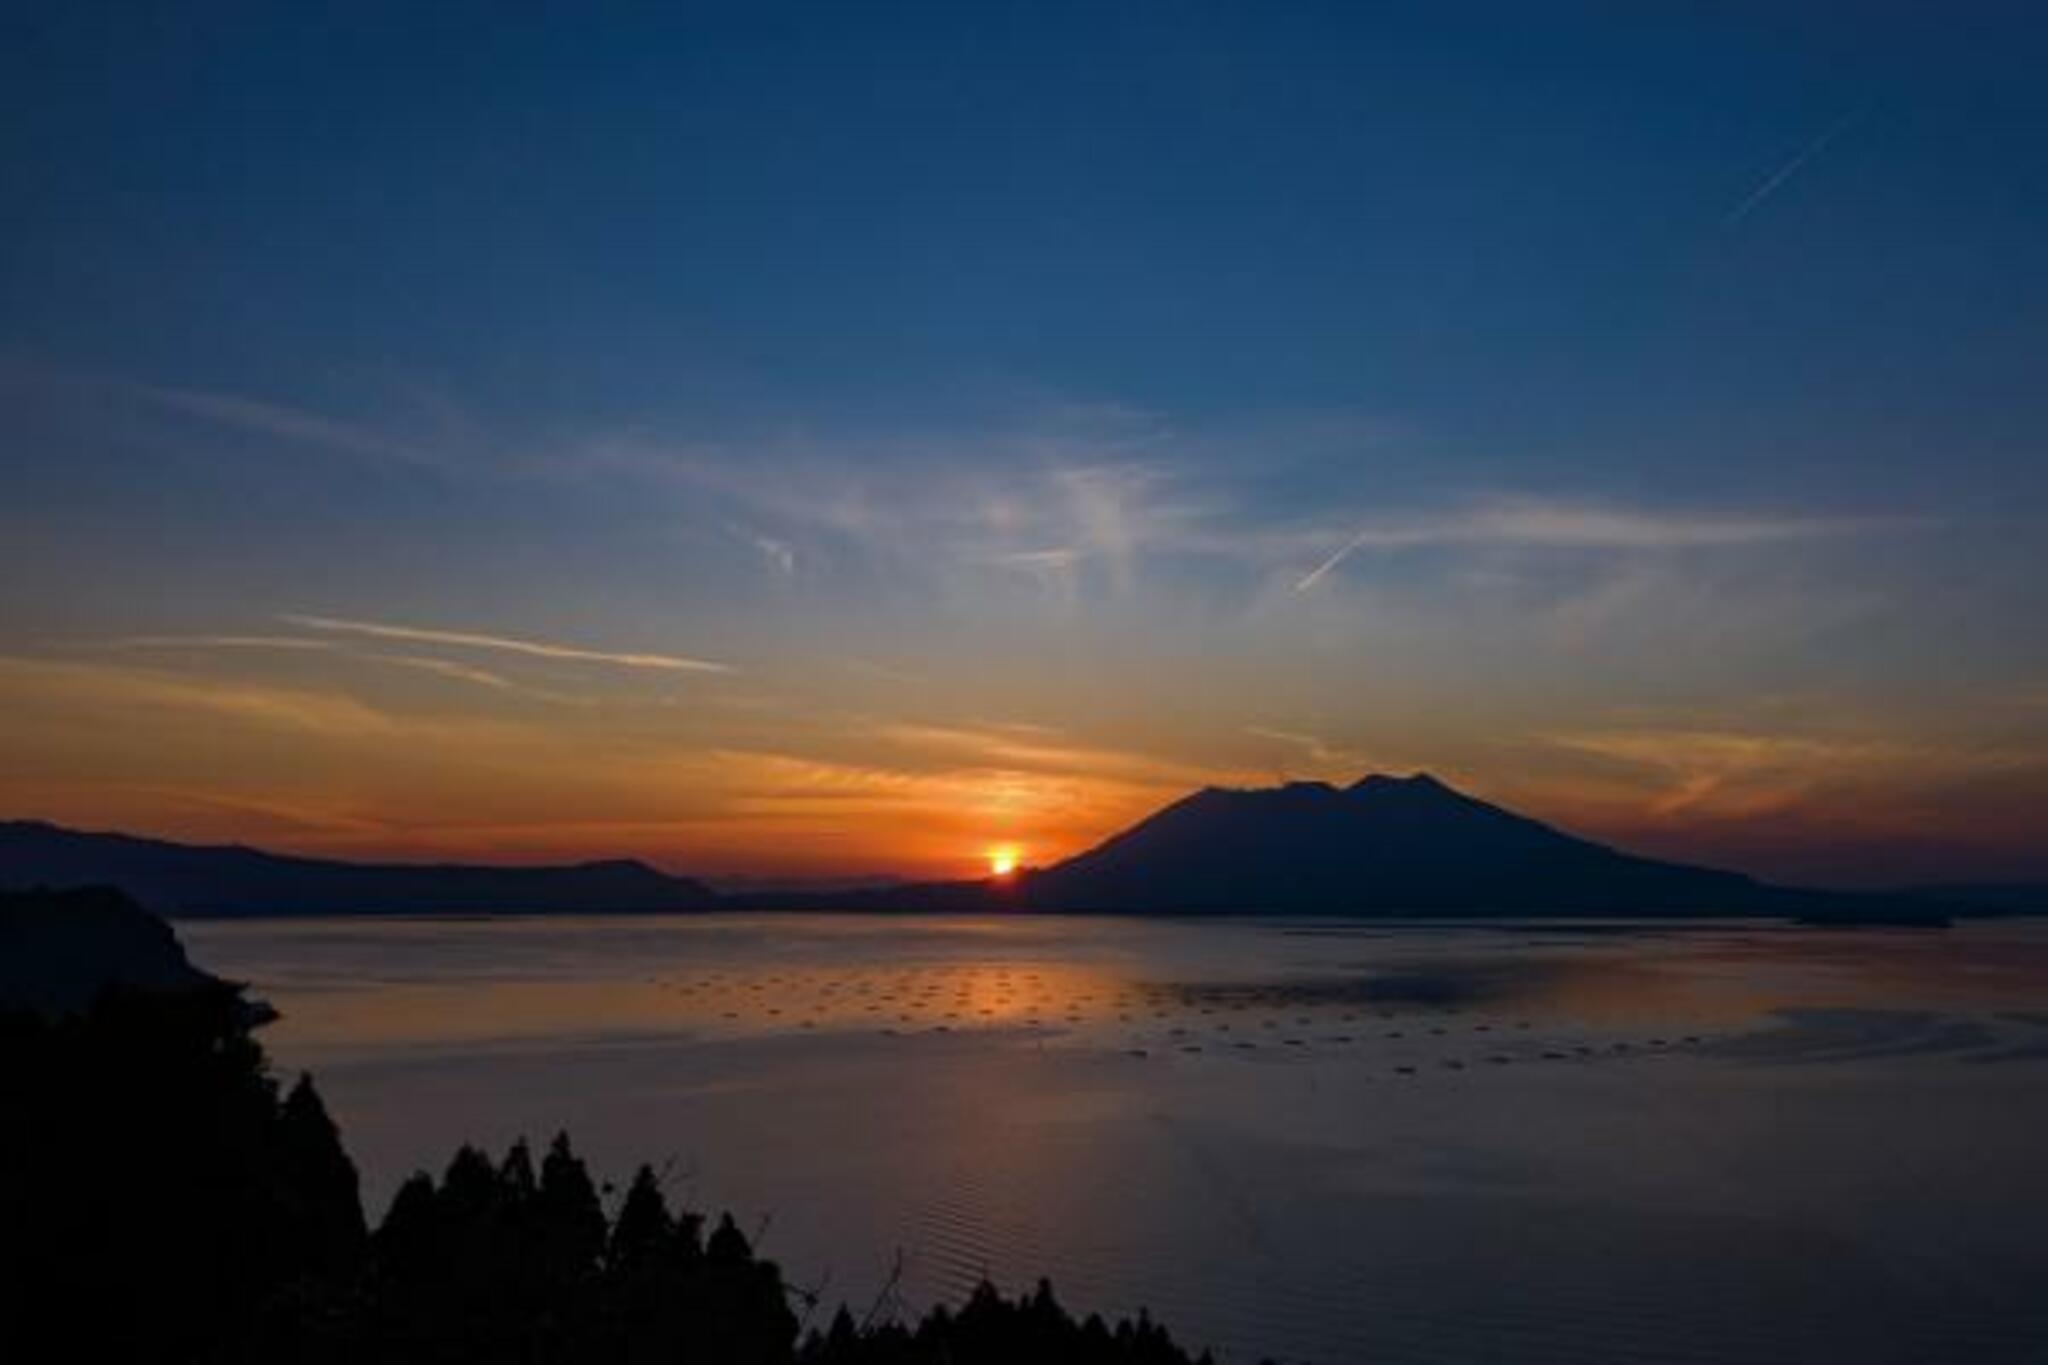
{"points": [[230, 880], [1384, 843], [1990, 898]]}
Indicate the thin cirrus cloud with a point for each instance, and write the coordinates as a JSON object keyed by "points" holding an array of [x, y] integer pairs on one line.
{"points": [[1006, 748], [448, 668], [279, 421], [479, 677], [1059, 508], [1055, 499], [296, 644], [1740, 772], [1314, 748], [1040, 498], [543, 649], [1053, 559], [1566, 526], [779, 555], [68, 689], [204, 642]]}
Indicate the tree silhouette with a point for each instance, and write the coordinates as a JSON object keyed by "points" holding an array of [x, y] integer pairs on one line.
{"points": [[159, 1202]]}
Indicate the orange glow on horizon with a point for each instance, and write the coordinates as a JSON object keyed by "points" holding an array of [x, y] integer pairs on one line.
{"points": [[308, 754]]}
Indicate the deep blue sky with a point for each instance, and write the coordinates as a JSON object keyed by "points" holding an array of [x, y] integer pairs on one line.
{"points": [[1680, 367]]}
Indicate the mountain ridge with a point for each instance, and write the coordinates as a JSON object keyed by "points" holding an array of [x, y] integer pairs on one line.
{"points": [[1383, 845], [233, 880]]}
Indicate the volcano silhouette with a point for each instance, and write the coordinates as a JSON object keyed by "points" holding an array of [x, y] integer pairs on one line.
{"points": [[1382, 844]]}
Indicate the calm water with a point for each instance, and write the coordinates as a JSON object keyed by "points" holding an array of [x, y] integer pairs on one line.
{"points": [[1323, 1140]]}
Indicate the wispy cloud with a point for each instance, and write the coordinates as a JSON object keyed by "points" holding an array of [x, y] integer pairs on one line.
{"points": [[1532, 524], [289, 423], [1008, 748], [1058, 495], [1318, 751], [779, 554], [468, 673], [1102, 521], [544, 649], [209, 642], [1092, 508], [1725, 772], [1060, 511], [125, 693], [1052, 559], [299, 644]]}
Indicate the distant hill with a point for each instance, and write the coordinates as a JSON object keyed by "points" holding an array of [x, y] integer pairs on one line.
{"points": [[2018, 898], [229, 880]]}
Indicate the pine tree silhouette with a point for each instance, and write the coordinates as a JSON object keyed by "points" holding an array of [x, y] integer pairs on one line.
{"points": [[160, 1203]]}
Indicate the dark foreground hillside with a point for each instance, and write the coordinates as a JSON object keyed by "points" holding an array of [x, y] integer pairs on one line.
{"points": [[160, 1200]]}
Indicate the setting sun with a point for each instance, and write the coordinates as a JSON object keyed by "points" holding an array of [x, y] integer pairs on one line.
{"points": [[1002, 861]]}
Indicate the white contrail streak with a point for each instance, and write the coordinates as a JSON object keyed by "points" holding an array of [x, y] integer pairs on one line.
{"points": [[544, 649], [1315, 575], [1777, 178]]}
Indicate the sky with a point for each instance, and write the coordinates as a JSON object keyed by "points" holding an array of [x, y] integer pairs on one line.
{"points": [[830, 440]]}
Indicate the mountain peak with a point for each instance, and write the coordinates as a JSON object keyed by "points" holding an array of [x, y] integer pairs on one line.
{"points": [[1409, 843], [1415, 782]]}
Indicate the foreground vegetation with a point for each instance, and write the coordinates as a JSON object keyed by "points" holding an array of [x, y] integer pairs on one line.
{"points": [[160, 1200]]}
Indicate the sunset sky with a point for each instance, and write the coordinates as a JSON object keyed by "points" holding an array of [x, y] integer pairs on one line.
{"points": [[819, 440]]}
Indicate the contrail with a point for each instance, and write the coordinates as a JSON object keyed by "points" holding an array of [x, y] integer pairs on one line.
{"points": [[471, 640], [1775, 179], [1315, 575]]}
